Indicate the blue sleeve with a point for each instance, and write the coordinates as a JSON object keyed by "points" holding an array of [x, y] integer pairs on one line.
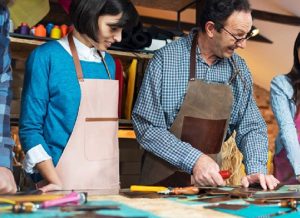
{"points": [[150, 125], [35, 98], [280, 103], [252, 137], [6, 143]]}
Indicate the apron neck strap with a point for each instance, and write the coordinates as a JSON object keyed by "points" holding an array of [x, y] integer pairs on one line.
{"points": [[77, 62], [193, 63], [193, 58], [75, 57]]}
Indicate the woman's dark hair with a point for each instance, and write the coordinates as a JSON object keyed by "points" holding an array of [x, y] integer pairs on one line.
{"points": [[294, 74], [218, 11], [84, 14]]}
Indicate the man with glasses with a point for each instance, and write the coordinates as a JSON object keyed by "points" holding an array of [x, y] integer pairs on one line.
{"points": [[196, 92]]}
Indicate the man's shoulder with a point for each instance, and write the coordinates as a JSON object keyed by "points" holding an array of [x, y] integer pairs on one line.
{"points": [[175, 47]]}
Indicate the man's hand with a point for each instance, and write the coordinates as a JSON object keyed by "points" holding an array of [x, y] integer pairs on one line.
{"points": [[265, 181], [206, 172], [7, 181]]}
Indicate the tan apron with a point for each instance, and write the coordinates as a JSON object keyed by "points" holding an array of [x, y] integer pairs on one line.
{"points": [[201, 121], [91, 158]]}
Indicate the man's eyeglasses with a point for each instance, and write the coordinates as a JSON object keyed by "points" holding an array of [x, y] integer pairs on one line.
{"points": [[252, 33]]}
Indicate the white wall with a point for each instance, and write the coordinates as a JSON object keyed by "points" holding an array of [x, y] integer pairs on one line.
{"points": [[267, 60]]}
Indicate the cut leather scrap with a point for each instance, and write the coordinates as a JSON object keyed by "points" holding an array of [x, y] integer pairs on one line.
{"points": [[212, 199], [276, 195], [227, 206]]}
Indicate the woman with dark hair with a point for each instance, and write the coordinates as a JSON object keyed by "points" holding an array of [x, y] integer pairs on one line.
{"points": [[285, 101], [69, 120]]}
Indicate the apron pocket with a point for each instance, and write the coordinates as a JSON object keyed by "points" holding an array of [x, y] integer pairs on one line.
{"points": [[101, 138], [204, 134]]}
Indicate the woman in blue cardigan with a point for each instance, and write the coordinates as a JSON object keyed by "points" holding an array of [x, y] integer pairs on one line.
{"points": [[69, 121], [285, 102]]}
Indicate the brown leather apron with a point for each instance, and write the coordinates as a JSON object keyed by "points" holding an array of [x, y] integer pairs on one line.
{"points": [[201, 121], [91, 158]]}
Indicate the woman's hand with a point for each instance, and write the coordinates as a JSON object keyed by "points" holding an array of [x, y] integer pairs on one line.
{"points": [[51, 187], [52, 181]]}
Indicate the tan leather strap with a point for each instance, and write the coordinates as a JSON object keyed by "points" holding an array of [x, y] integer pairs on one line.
{"points": [[193, 58], [95, 119], [75, 57]]}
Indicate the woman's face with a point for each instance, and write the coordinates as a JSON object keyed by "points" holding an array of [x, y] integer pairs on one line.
{"points": [[109, 33]]}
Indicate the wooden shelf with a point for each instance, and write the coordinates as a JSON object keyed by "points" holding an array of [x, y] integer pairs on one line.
{"points": [[22, 47], [126, 134]]}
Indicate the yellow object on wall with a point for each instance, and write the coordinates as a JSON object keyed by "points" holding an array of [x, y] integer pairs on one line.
{"points": [[130, 88], [28, 11]]}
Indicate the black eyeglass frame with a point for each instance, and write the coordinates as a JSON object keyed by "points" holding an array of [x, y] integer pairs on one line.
{"points": [[239, 40]]}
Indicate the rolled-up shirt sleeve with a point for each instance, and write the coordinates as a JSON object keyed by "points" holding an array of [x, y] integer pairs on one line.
{"points": [[252, 134]]}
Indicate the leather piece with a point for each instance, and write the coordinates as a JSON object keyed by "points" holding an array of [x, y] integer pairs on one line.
{"points": [[213, 199], [227, 206], [204, 134], [274, 195], [141, 194]]}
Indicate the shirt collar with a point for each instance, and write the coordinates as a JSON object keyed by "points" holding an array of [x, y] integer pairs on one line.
{"points": [[198, 51], [84, 52]]}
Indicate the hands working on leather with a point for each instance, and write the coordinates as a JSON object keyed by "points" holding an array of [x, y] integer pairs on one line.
{"points": [[7, 182], [206, 173], [265, 181]]}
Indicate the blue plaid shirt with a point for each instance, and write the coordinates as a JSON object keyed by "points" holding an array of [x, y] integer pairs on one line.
{"points": [[6, 141], [162, 93]]}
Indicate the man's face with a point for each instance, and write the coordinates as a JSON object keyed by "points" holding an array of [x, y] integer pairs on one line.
{"points": [[236, 27]]}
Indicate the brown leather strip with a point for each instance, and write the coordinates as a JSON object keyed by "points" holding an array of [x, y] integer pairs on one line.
{"points": [[227, 206], [193, 58], [213, 199], [75, 57], [96, 119]]}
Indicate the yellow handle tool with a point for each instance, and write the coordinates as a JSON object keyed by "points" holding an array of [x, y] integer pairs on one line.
{"points": [[145, 188]]}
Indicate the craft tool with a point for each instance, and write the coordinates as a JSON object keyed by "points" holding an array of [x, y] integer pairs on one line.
{"points": [[191, 190], [73, 197], [225, 174], [144, 188], [26, 207], [32, 198]]}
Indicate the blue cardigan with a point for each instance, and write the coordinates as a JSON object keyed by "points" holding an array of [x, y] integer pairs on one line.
{"points": [[284, 109], [51, 97]]}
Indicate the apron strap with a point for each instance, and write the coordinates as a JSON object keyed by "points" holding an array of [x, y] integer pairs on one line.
{"points": [[193, 63], [193, 58], [236, 72], [75, 57]]}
